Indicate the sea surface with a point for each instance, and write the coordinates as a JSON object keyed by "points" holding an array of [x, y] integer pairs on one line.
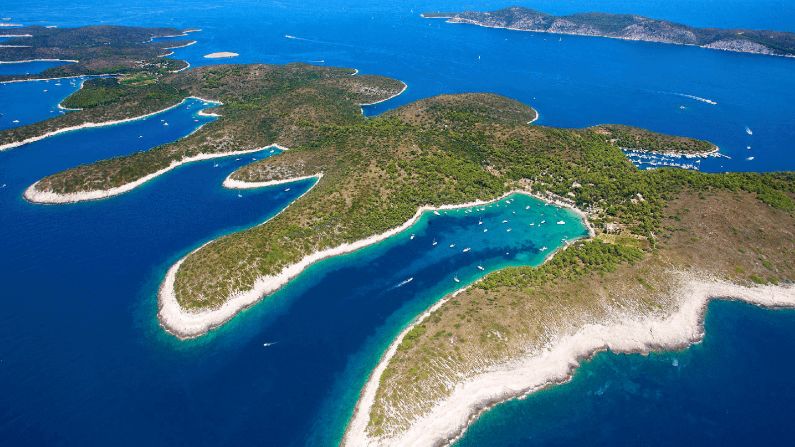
{"points": [[83, 361], [32, 67]]}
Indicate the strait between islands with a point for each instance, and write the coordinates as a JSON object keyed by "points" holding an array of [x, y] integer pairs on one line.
{"points": [[663, 243]]}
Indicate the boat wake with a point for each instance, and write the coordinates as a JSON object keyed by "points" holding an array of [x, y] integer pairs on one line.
{"points": [[403, 283], [696, 98]]}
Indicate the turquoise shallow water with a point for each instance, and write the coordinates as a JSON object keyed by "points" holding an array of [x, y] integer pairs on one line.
{"points": [[83, 362], [98, 365]]}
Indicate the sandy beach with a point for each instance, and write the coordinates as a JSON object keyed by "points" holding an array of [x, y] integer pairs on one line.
{"points": [[188, 324], [627, 333]]}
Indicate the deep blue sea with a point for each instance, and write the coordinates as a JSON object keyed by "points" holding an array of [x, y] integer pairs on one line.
{"points": [[83, 361], [28, 67]]}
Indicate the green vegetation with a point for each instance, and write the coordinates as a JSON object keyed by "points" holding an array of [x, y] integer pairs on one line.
{"points": [[443, 150], [109, 91], [98, 50], [262, 105], [634, 138], [377, 172], [626, 26]]}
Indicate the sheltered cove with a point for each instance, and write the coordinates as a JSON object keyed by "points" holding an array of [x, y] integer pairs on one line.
{"points": [[185, 324]]}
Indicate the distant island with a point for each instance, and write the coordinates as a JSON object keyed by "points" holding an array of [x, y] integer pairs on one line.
{"points": [[663, 242], [221, 55], [629, 27]]}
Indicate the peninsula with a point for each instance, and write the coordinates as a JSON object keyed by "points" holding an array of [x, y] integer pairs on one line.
{"points": [[664, 241], [628, 27]]}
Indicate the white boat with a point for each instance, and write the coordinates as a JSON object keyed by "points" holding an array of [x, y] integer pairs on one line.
{"points": [[748, 130], [480, 222], [287, 189], [485, 230], [411, 237], [504, 221], [436, 212], [452, 245], [266, 344], [543, 222], [561, 222], [480, 267], [508, 230], [544, 248], [434, 242], [466, 250], [456, 279]]}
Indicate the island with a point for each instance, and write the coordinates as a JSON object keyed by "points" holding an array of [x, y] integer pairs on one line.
{"points": [[95, 50], [662, 242], [628, 27], [221, 55]]}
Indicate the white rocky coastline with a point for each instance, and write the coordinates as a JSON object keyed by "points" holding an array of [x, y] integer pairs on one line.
{"points": [[405, 86], [221, 55], [99, 124], [25, 61], [186, 324], [715, 152], [554, 363], [733, 45], [231, 183], [35, 195]]}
